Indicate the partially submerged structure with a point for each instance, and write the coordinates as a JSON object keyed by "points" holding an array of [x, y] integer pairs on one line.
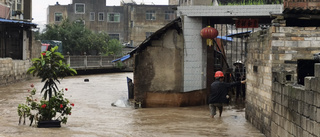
{"points": [[175, 67]]}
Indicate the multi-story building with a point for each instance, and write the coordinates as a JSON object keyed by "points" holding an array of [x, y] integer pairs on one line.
{"points": [[16, 44], [129, 23], [15, 29], [15, 9]]}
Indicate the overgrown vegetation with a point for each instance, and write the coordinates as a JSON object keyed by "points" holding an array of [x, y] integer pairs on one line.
{"points": [[77, 39], [249, 2]]}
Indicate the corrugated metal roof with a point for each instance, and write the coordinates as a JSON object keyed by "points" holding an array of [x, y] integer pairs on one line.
{"points": [[225, 38], [15, 21], [122, 58]]}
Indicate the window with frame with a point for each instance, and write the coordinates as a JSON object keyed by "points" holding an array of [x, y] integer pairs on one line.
{"points": [[150, 15], [79, 8], [57, 17], [101, 16], [148, 34], [113, 17], [92, 16], [114, 36], [169, 15]]}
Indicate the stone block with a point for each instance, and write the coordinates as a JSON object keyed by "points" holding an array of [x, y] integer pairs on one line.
{"points": [[274, 128], [317, 70], [317, 129], [315, 43], [300, 107], [305, 133], [308, 97], [285, 56], [297, 38], [318, 115], [303, 122], [307, 83], [291, 43], [287, 125], [306, 110], [284, 100], [296, 118], [295, 105], [313, 112], [316, 100], [314, 84], [310, 125], [304, 44]]}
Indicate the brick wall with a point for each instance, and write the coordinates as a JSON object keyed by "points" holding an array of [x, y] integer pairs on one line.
{"points": [[258, 107], [276, 105]]}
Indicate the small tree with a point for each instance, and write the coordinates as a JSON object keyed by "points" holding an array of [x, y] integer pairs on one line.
{"points": [[49, 67], [114, 48]]}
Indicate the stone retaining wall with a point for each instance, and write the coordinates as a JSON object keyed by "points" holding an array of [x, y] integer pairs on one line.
{"points": [[276, 104], [13, 70], [296, 108]]}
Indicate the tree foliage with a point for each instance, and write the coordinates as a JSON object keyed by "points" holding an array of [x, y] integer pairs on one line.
{"points": [[77, 39]]}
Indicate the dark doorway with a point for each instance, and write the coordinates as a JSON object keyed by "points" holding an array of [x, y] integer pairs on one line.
{"points": [[305, 68]]}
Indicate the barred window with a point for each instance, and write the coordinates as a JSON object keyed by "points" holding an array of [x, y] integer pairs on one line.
{"points": [[57, 17], [169, 15], [113, 17], [79, 8], [151, 15]]}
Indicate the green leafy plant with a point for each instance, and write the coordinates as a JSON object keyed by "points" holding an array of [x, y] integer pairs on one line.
{"points": [[57, 108], [50, 67]]}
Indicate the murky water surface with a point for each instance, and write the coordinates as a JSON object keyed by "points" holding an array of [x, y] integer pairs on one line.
{"points": [[94, 116]]}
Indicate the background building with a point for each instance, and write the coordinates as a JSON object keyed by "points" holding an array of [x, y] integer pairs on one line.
{"points": [[129, 23]]}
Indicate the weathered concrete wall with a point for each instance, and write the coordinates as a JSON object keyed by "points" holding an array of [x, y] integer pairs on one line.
{"points": [[180, 99], [274, 106], [13, 70], [158, 68]]}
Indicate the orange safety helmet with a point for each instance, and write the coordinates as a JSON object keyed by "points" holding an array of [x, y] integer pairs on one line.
{"points": [[218, 74]]}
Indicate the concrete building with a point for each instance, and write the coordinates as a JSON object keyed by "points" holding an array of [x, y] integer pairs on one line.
{"points": [[16, 42], [129, 23]]}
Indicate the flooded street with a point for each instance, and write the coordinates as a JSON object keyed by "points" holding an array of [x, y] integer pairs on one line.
{"points": [[94, 116]]}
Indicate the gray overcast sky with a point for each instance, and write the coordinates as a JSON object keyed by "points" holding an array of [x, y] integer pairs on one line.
{"points": [[39, 7]]}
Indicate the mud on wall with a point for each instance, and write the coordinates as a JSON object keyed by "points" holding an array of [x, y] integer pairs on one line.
{"points": [[158, 68], [272, 58]]}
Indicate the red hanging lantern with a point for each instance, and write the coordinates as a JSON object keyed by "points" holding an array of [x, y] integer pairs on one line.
{"points": [[209, 33]]}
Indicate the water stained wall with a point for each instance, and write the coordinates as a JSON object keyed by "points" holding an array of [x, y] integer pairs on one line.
{"points": [[276, 103]]}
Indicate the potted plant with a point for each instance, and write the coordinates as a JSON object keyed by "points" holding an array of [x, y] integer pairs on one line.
{"points": [[53, 108]]}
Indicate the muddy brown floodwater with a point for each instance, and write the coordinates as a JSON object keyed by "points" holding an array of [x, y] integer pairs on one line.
{"points": [[94, 116]]}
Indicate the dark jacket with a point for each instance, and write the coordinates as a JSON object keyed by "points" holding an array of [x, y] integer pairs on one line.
{"points": [[219, 91]]}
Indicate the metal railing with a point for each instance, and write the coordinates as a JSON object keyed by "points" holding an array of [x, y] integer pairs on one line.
{"points": [[83, 62]]}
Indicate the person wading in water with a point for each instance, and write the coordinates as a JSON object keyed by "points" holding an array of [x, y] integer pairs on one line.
{"points": [[219, 93]]}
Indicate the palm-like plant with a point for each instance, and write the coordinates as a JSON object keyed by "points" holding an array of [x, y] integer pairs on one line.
{"points": [[50, 67]]}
